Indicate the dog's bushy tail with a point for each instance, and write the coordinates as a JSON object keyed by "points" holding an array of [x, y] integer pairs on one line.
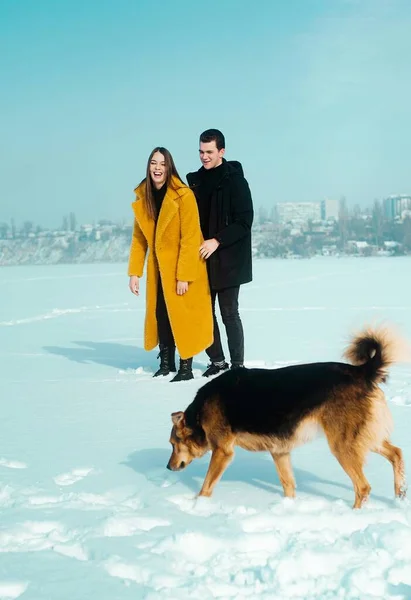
{"points": [[375, 349]]}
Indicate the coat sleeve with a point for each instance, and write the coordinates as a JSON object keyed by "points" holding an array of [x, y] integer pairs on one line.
{"points": [[138, 251], [190, 238], [242, 213]]}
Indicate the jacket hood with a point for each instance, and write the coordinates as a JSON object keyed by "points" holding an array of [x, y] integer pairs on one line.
{"points": [[236, 166]]}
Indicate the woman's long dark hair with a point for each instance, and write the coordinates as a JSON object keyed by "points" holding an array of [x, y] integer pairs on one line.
{"points": [[171, 170]]}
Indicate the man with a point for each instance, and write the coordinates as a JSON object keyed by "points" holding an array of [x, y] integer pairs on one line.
{"points": [[226, 215]]}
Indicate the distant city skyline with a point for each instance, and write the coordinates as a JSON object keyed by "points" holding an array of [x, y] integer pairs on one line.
{"points": [[390, 209], [312, 96]]}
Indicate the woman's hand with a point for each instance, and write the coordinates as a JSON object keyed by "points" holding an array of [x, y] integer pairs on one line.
{"points": [[208, 247], [182, 287], [134, 285]]}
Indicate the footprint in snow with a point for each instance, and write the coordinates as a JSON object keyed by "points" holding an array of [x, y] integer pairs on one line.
{"points": [[12, 464], [12, 589], [73, 476]]}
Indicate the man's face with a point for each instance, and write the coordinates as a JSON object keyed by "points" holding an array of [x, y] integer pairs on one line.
{"points": [[210, 156]]}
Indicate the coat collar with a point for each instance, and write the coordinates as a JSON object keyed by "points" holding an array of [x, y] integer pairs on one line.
{"points": [[168, 210]]}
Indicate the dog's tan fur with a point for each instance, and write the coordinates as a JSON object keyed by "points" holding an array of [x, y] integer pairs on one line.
{"points": [[354, 425]]}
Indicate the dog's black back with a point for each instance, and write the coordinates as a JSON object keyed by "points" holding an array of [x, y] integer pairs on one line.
{"points": [[273, 401]]}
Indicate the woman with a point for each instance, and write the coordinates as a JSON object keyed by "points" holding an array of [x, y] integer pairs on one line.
{"points": [[178, 301]]}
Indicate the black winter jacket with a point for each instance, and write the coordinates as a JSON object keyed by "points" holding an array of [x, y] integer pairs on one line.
{"points": [[230, 219]]}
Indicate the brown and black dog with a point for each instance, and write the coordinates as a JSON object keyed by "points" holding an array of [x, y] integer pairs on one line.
{"points": [[279, 409]]}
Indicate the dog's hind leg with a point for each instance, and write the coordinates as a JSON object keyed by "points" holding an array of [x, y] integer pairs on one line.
{"points": [[285, 473], [352, 462], [220, 459], [394, 455]]}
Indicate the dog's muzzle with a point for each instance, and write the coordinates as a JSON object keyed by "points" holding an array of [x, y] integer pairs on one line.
{"points": [[179, 468]]}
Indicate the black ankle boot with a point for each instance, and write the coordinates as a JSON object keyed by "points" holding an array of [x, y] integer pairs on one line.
{"points": [[237, 365], [185, 372], [215, 368], [167, 361]]}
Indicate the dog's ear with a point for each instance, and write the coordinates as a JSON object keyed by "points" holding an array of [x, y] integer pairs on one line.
{"points": [[178, 418]]}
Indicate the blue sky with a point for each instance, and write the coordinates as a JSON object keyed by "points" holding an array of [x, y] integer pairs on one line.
{"points": [[312, 95]]}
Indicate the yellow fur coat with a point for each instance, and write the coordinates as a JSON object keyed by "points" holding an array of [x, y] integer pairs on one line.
{"points": [[173, 254]]}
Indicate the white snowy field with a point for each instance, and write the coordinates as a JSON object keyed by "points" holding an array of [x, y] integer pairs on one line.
{"points": [[87, 508]]}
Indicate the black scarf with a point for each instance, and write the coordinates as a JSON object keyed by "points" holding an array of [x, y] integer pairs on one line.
{"points": [[209, 180], [158, 196]]}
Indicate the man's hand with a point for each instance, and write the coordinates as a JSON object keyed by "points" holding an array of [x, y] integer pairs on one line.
{"points": [[208, 247], [134, 285], [182, 287]]}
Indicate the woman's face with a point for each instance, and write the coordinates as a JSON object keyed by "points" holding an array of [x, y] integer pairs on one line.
{"points": [[158, 170]]}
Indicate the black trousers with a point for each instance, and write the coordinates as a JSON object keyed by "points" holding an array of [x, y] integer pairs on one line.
{"points": [[165, 334], [228, 302]]}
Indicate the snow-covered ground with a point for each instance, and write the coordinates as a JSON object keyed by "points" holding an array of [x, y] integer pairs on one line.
{"points": [[87, 508]]}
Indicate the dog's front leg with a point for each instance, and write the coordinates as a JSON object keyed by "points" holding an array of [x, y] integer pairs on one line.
{"points": [[285, 473], [220, 459]]}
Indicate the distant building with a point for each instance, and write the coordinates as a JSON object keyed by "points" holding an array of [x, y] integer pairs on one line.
{"points": [[288, 212], [330, 209], [396, 206]]}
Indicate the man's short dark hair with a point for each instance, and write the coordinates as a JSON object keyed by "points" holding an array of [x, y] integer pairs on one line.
{"points": [[213, 135]]}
